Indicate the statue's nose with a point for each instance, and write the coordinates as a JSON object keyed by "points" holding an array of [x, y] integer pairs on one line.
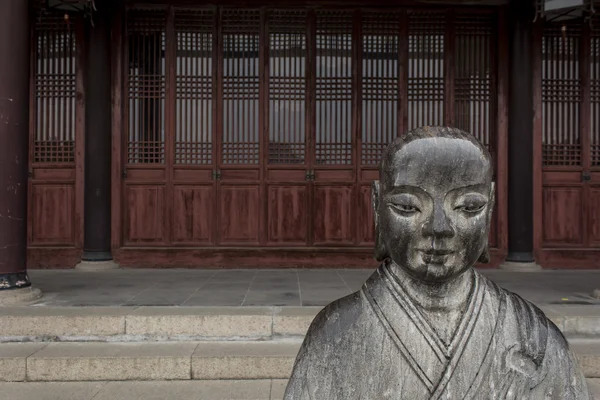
{"points": [[437, 224]]}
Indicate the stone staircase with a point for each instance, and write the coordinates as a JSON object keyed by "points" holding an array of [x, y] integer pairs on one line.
{"points": [[210, 344]]}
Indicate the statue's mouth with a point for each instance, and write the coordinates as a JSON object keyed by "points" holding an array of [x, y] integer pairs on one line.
{"points": [[435, 256], [436, 252]]}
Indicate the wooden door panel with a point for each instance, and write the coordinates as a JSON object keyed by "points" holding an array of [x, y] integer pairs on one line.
{"points": [[288, 214], [194, 216], [562, 209], [145, 214], [593, 216], [366, 226], [333, 215], [240, 214], [52, 216]]}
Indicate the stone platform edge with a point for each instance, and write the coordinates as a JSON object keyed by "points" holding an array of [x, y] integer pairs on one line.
{"points": [[62, 362], [130, 324]]}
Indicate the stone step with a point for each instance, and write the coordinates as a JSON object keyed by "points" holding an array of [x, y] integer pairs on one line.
{"points": [[180, 390], [210, 360], [152, 323], [127, 324], [135, 390]]}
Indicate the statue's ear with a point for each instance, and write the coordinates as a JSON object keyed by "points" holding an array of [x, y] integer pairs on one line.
{"points": [[492, 199], [484, 258], [380, 250]]}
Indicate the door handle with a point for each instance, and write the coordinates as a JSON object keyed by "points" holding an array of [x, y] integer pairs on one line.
{"points": [[586, 176], [216, 175], [310, 175]]}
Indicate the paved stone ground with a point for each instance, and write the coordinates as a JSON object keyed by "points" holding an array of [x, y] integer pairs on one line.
{"points": [[207, 390], [166, 390], [262, 287]]}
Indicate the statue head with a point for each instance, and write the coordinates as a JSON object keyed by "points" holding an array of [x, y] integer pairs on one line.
{"points": [[433, 203]]}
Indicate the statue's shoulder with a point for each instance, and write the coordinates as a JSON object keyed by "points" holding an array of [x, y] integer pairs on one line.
{"points": [[337, 315], [536, 330]]}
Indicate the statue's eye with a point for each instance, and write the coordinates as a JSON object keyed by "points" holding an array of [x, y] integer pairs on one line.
{"points": [[471, 208], [405, 208]]}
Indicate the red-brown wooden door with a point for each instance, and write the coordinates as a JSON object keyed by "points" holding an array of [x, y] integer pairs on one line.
{"points": [[146, 220], [239, 128], [333, 123], [569, 227], [288, 159], [195, 162], [264, 127], [55, 188]]}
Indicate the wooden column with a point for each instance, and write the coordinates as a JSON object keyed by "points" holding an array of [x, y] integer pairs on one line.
{"points": [[97, 186], [520, 133], [14, 143]]}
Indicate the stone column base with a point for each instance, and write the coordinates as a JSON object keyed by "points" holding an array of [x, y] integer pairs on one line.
{"points": [[520, 266], [21, 296], [97, 265]]}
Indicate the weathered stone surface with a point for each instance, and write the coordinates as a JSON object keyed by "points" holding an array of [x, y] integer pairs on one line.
{"points": [[111, 361], [293, 321], [13, 360], [62, 321], [244, 360], [426, 325], [201, 321]]}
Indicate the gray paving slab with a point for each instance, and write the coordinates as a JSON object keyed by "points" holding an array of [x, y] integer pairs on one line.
{"points": [[204, 390], [164, 390], [51, 390], [202, 287]]}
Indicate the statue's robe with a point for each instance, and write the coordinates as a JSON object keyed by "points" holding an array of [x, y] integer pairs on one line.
{"points": [[376, 344]]}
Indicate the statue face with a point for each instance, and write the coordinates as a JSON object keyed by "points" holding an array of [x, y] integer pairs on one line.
{"points": [[435, 206]]}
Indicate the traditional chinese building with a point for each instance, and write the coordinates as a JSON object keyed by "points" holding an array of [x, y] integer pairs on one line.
{"points": [[234, 134]]}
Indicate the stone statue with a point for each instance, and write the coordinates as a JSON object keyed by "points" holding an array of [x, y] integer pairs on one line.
{"points": [[426, 324]]}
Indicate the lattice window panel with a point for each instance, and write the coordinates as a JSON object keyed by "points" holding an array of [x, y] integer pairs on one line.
{"points": [[287, 86], [474, 93], [241, 45], [561, 95], [333, 136], [54, 80], [146, 86], [380, 91], [194, 86], [595, 95], [426, 90]]}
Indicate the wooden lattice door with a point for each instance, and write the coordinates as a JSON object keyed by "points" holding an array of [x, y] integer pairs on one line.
{"points": [[333, 148], [195, 110], [288, 164], [264, 127], [570, 138], [147, 156], [239, 128], [56, 178]]}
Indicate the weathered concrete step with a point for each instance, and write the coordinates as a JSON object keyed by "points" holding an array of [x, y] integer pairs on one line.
{"points": [[147, 361], [158, 390], [180, 390], [203, 323], [152, 323], [240, 360]]}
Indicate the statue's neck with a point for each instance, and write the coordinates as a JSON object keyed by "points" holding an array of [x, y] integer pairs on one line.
{"points": [[449, 296]]}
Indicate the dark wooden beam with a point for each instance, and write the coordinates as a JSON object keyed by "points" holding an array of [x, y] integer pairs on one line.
{"points": [[520, 140], [97, 186], [322, 3], [14, 142]]}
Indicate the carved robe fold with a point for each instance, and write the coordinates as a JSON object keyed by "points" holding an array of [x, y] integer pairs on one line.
{"points": [[376, 344]]}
